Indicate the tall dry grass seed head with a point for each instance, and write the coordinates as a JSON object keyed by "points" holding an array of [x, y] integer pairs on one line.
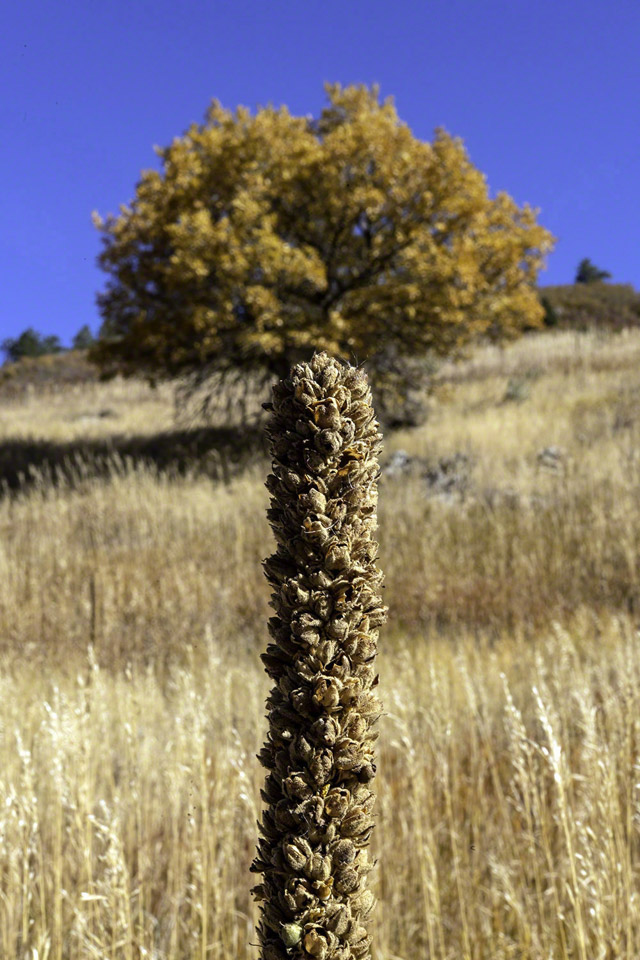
{"points": [[322, 710]]}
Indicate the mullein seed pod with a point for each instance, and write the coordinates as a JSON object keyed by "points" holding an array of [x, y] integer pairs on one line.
{"points": [[323, 707]]}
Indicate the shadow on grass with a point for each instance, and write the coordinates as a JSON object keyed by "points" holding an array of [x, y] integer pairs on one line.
{"points": [[220, 453]]}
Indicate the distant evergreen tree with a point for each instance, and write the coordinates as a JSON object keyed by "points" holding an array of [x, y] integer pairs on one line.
{"points": [[30, 343], [551, 317], [83, 338], [50, 344], [588, 272]]}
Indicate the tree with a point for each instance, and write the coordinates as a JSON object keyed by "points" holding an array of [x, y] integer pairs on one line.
{"points": [[30, 343], [83, 338], [267, 236], [551, 316], [587, 272]]}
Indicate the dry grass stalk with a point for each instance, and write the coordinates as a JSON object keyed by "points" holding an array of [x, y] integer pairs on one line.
{"points": [[313, 853]]}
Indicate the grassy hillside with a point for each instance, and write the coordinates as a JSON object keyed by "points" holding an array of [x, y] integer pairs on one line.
{"points": [[585, 306], [50, 373], [133, 608]]}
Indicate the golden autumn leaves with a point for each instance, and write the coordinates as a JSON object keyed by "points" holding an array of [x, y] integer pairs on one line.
{"points": [[268, 235], [322, 709]]}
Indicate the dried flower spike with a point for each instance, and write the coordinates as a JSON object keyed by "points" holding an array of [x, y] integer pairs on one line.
{"points": [[322, 709]]}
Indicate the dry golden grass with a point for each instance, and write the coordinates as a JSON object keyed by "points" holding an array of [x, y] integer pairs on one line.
{"points": [[88, 411], [132, 611], [507, 821]]}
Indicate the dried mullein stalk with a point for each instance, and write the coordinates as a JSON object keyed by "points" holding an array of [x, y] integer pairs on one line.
{"points": [[322, 710]]}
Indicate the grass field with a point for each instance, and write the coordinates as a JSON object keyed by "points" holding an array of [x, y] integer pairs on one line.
{"points": [[133, 609]]}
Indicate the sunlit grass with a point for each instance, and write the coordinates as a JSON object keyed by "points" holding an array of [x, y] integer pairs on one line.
{"points": [[132, 611], [507, 821]]}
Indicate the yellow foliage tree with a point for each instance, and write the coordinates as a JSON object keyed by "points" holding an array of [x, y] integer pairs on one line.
{"points": [[268, 236]]}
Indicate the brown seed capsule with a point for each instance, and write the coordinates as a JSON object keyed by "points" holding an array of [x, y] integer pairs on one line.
{"points": [[325, 730], [327, 692], [298, 895], [326, 651], [315, 944], [355, 727], [321, 767], [337, 803], [324, 889], [348, 754], [310, 811], [316, 532], [300, 749], [318, 867], [361, 949], [304, 622], [363, 903], [297, 853], [339, 918], [284, 819], [322, 605], [316, 501], [346, 879], [300, 700], [341, 668], [356, 821], [337, 628], [337, 556], [320, 580], [296, 787], [355, 934], [327, 414], [342, 852]]}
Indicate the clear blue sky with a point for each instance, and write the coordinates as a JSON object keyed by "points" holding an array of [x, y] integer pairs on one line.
{"points": [[545, 95]]}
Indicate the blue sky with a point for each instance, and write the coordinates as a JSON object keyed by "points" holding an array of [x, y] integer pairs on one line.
{"points": [[545, 96]]}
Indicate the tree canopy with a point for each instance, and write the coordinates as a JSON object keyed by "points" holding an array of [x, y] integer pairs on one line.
{"points": [[83, 338], [587, 272], [265, 236], [30, 343]]}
